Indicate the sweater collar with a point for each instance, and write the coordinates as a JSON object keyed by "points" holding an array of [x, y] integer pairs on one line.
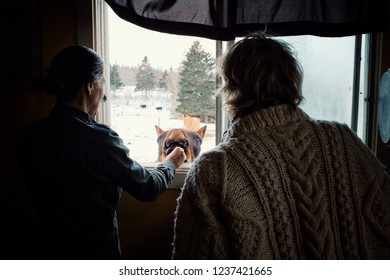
{"points": [[277, 115]]}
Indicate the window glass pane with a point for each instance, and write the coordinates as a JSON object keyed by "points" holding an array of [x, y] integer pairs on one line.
{"points": [[156, 79], [328, 70], [363, 91], [328, 65], [328, 76]]}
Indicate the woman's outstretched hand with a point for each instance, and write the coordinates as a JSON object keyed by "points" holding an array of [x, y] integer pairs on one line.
{"points": [[177, 156]]}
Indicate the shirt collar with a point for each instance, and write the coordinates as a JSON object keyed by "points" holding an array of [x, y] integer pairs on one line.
{"points": [[70, 111]]}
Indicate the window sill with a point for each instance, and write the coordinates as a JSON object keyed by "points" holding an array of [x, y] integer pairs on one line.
{"points": [[178, 180]]}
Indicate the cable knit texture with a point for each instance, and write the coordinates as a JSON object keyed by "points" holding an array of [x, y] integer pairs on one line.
{"points": [[284, 186]]}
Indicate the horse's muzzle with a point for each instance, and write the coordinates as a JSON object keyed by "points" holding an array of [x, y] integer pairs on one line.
{"points": [[173, 144]]}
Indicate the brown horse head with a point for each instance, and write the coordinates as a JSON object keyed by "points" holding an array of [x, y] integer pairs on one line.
{"points": [[190, 141]]}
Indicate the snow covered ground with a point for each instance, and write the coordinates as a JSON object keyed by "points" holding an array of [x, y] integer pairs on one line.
{"points": [[136, 125]]}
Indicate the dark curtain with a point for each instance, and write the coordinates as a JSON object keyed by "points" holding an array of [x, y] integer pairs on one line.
{"points": [[227, 19]]}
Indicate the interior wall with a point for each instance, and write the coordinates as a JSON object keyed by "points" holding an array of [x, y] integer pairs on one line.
{"points": [[146, 228], [57, 28]]}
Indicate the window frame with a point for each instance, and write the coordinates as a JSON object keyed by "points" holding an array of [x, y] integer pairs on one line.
{"points": [[371, 74]]}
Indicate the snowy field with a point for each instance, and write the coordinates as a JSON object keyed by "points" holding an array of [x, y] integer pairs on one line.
{"points": [[136, 125]]}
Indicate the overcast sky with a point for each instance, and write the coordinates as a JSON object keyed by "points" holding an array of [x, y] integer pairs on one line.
{"points": [[129, 43]]}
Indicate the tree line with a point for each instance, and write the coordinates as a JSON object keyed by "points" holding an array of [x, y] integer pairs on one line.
{"points": [[193, 84]]}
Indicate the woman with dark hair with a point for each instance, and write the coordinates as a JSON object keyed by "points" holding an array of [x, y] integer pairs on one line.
{"points": [[281, 185], [75, 169]]}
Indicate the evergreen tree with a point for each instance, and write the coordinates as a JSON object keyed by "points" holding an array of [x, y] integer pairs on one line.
{"points": [[115, 80], [197, 84], [145, 78], [162, 82]]}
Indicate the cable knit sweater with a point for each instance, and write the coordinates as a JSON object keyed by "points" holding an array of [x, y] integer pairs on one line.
{"points": [[284, 186]]}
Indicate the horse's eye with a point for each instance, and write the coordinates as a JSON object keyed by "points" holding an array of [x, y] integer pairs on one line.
{"points": [[184, 142], [168, 143]]}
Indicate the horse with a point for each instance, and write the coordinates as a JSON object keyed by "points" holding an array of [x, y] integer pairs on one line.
{"points": [[190, 141]]}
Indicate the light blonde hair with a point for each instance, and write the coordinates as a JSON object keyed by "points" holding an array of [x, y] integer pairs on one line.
{"points": [[259, 72]]}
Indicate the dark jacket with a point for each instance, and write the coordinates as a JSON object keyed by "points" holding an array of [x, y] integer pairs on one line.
{"points": [[75, 170]]}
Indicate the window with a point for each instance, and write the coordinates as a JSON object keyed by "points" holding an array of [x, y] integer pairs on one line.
{"points": [[330, 71], [145, 73], [149, 71]]}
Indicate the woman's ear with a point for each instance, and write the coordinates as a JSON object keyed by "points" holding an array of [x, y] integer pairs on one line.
{"points": [[89, 88]]}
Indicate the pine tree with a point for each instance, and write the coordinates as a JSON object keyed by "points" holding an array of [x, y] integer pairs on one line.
{"points": [[145, 78], [162, 82], [197, 84], [115, 80]]}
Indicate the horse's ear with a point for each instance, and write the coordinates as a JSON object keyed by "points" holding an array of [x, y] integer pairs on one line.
{"points": [[201, 131], [159, 130]]}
